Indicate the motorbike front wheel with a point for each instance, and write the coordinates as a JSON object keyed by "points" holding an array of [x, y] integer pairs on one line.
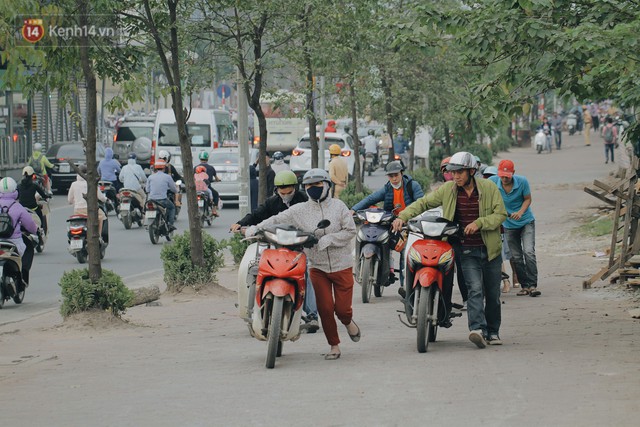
{"points": [[426, 307], [275, 323], [366, 268]]}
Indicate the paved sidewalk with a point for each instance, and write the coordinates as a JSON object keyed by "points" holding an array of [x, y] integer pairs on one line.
{"points": [[570, 357]]}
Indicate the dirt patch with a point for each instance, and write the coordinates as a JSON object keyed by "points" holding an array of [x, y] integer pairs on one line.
{"points": [[93, 320]]}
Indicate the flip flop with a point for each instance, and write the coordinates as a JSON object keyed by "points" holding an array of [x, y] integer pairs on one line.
{"points": [[534, 292], [356, 337], [523, 291], [332, 356]]}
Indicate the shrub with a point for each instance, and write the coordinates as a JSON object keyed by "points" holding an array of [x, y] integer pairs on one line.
{"points": [[501, 143], [179, 271], [480, 150], [349, 195], [435, 158], [79, 294], [237, 246], [424, 177]]}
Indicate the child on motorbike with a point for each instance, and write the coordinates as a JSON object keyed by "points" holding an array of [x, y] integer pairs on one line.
{"points": [[202, 181]]}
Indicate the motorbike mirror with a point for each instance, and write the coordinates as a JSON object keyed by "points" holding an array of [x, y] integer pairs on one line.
{"points": [[323, 224]]}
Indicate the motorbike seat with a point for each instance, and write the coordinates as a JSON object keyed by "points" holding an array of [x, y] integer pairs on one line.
{"points": [[76, 217]]}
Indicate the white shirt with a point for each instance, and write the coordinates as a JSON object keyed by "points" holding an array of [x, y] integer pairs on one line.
{"points": [[370, 144], [77, 191]]}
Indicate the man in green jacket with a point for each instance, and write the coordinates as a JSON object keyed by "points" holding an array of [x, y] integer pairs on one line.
{"points": [[475, 204]]}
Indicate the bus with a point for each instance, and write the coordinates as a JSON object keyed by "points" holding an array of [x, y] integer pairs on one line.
{"points": [[286, 122]]}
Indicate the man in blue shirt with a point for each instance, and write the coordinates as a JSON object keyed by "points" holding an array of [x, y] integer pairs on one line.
{"points": [[158, 185], [519, 227], [401, 148]]}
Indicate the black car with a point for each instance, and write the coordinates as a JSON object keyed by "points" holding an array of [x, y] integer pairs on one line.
{"points": [[60, 154]]}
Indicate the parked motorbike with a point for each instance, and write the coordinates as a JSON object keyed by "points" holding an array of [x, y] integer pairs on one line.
{"points": [[429, 261], [280, 286], [130, 209], [11, 283], [373, 251], [572, 123], [156, 220], [77, 237], [112, 199]]}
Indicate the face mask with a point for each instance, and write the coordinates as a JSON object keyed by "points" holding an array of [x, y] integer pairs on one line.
{"points": [[287, 198], [315, 193], [396, 186]]}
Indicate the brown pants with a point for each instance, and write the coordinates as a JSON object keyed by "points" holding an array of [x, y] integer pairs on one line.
{"points": [[327, 286]]}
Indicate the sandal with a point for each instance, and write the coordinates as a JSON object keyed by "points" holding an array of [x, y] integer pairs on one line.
{"points": [[332, 356], [523, 291], [534, 292], [506, 286]]}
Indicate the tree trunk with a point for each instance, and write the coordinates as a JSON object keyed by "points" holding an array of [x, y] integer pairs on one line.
{"points": [[144, 295], [412, 136], [356, 141], [386, 89], [447, 139], [93, 243], [195, 235]]}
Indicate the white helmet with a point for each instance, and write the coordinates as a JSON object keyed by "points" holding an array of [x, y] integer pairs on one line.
{"points": [[164, 154], [37, 147], [8, 185], [462, 160]]}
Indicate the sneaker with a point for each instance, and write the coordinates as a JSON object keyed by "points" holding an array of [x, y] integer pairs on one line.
{"points": [[494, 339], [477, 338], [312, 326], [172, 228]]}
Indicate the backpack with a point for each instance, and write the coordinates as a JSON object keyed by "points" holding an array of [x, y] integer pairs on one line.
{"points": [[608, 134], [36, 164], [6, 224]]}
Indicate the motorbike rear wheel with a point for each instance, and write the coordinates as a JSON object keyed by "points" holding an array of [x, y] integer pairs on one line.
{"points": [[154, 233], [425, 329], [81, 255], [275, 324], [539, 149], [19, 296], [126, 220], [365, 281]]}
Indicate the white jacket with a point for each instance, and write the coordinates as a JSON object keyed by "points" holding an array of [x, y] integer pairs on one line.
{"points": [[132, 175], [77, 191], [333, 251]]}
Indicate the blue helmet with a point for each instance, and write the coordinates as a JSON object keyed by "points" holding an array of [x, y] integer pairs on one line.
{"points": [[132, 156]]}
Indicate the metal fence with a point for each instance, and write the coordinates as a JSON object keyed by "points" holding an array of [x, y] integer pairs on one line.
{"points": [[14, 154]]}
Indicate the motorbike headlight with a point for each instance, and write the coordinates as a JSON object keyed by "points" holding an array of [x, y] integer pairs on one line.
{"points": [[374, 217], [285, 237]]}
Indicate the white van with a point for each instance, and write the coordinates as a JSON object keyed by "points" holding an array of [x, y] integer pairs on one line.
{"points": [[207, 129]]}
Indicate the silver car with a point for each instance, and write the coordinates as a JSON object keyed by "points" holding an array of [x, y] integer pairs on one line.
{"points": [[226, 160]]}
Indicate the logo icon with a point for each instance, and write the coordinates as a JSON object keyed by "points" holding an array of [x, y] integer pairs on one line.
{"points": [[32, 30]]}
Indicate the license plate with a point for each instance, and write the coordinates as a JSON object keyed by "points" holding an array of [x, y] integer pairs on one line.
{"points": [[124, 206], [75, 244], [150, 214], [229, 177], [200, 203], [65, 168]]}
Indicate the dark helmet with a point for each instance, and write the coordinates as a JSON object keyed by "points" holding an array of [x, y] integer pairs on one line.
{"points": [[278, 155], [371, 132], [394, 167], [132, 156]]}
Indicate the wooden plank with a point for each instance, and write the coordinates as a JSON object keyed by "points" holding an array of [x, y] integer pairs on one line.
{"points": [[614, 234], [600, 275], [634, 260], [599, 196]]}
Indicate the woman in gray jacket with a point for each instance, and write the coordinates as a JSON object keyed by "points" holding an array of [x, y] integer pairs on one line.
{"points": [[330, 259]]}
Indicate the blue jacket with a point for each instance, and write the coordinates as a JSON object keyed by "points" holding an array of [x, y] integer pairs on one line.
{"points": [[108, 166], [385, 194]]}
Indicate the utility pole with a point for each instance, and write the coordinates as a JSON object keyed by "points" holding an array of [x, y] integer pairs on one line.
{"points": [[243, 141], [321, 136]]}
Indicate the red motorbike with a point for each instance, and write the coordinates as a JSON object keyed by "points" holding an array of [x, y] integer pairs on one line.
{"points": [[280, 286], [429, 263]]}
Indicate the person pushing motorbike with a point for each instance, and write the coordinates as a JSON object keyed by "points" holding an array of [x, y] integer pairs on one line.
{"points": [[475, 204]]}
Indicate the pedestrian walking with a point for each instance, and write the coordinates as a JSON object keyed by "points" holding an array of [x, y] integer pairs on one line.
{"points": [[588, 121], [476, 205], [610, 135], [330, 259], [519, 226], [556, 122]]}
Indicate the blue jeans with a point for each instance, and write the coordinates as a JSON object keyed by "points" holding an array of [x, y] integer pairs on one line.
{"points": [[171, 209], [309, 306], [483, 282], [608, 148], [522, 243], [558, 136]]}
